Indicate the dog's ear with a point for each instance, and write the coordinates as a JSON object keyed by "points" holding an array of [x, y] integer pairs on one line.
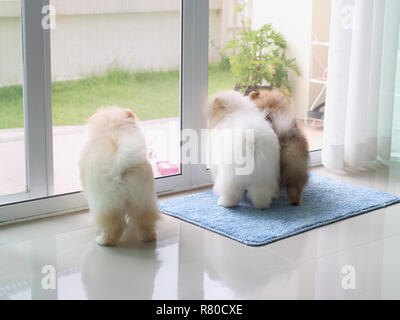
{"points": [[129, 114], [218, 105], [90, 120], [254, 94]]}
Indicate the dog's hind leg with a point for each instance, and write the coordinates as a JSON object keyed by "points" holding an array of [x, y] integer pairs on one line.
{"points": [[146, 224], [260, 196], [229, 190], [229, 195], [111, 225], [294, 193]]}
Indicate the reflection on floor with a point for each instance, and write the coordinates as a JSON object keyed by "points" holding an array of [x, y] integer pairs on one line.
{"points": [[190, 262]]}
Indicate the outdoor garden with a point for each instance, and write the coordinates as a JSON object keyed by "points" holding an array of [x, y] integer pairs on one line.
{"points": [[254, 58]]}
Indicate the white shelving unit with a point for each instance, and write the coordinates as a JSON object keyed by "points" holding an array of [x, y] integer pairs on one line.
{"points": [[321, 81]]}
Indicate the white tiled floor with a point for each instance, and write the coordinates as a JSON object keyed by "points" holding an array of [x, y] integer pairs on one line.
{"points": [[190, 262]]}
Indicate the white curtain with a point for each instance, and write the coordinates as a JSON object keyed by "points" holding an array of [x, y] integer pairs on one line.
{"points": [[361, 82]]}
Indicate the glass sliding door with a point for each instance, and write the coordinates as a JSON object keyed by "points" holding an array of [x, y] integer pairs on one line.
{"points": [[26, 134], [396, 112], [225, 23], [76, 58], [12, 136], [115, 54], [306, 30], [25, 116]]}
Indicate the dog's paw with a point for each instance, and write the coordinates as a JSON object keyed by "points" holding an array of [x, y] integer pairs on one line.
{"points": [[227, 202], [148, 235], [104, 241], [294, 196], [262, 205]]}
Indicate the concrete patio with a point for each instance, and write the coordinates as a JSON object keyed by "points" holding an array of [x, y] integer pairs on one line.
{"points": [[162, 141], [162, 137]]}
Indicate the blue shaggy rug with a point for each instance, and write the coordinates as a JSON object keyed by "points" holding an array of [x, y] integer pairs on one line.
{"points": [[324, 201]]}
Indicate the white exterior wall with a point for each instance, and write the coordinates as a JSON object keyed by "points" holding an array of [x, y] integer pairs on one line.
{"points": [[292, 18], [82, 44], [91, 35], [10, 51]]}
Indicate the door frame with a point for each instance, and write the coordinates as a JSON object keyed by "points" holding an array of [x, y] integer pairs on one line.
{"points": [[38, 201]]}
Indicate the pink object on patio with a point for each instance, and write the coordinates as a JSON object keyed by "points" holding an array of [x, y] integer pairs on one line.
{"points": [[151, 153], [166, 168], [325, 76]]}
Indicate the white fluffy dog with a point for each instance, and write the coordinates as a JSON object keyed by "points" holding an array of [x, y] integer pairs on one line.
{"points": [[229, 111], [117, 177]]}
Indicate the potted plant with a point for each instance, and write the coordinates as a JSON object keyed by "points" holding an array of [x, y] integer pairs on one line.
{"points": [[259, 59]]}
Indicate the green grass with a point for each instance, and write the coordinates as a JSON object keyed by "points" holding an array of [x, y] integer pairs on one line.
{"points": [[152, 95]]}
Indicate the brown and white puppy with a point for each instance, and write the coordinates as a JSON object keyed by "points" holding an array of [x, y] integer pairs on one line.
{"points": [[294, 146]]}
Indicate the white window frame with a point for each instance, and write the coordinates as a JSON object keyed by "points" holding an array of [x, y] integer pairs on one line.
{"points": [[36, 202], [37, 105]]}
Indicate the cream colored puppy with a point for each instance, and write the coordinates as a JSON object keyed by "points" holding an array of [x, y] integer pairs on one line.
{"points": [[117, 177]]}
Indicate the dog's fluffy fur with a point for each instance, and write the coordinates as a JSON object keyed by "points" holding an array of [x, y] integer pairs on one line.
{"points": [[229, 110], [294, 146], [117, 177]]}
